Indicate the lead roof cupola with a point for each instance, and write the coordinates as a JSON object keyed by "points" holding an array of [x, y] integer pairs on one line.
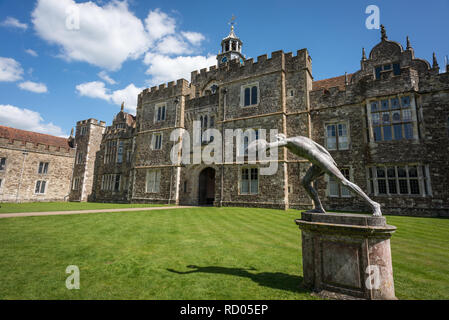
{"points": [[231, 47]]}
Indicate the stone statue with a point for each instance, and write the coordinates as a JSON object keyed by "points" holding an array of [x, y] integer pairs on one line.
{"points": [[322, 162]]}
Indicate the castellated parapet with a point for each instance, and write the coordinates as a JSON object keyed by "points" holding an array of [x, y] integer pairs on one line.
{"points": [[235, 70], [170, 89]]}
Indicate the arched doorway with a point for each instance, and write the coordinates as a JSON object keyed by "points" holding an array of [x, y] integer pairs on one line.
{"points": [[207, 187]]}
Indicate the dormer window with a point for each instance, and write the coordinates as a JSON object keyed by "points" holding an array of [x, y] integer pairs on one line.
{"points": [[388, 67]]}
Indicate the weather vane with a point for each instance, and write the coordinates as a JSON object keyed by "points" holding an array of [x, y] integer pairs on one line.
{"points": [[232, 21]]}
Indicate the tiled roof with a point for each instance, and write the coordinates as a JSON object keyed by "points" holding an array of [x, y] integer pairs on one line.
{"points": [[34, 137], [331, 82]]}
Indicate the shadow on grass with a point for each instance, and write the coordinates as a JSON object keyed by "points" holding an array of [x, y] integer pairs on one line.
{"points": [[275, 280]]}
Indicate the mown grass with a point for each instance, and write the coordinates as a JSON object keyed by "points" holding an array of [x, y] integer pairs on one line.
{"points": [[198, 253], [65, 206]]}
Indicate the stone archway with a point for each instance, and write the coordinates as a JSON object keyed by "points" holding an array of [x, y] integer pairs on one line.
{"points": [[206, 190]]}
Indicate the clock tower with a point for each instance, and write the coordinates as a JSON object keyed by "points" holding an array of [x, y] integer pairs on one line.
{"points": [[231, 47]]}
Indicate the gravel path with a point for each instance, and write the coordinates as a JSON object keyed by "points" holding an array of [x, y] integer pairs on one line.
{"points": [[53, 213]]}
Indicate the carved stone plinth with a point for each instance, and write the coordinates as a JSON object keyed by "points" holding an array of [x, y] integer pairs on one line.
{"points": [[347, 255]]}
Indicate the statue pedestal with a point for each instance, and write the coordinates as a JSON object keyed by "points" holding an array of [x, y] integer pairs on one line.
{"points": [[347, 256]]}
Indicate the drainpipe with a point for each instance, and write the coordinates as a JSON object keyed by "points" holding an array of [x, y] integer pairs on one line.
{"points": [[174, 142], [21, 175], [225, 91]]}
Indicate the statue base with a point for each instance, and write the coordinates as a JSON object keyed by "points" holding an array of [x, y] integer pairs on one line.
{"points": [[347, 256]]}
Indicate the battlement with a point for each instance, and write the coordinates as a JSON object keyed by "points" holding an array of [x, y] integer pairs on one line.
{"points": [[33, 141], [91, 121], [264, 64], [169, 89]]}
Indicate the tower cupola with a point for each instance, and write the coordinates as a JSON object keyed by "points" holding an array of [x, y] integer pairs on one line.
{"points": [[231, 47]]}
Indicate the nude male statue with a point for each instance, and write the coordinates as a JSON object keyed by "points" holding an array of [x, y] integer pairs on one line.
{"points": [[322, 162]]}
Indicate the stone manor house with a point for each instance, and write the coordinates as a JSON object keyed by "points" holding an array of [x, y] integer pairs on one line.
{"points": [[386, 125]]}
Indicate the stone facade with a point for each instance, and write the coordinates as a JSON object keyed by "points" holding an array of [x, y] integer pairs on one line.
{"points": [[34, 167], [386, 125], [88, 138], [113, 161]]}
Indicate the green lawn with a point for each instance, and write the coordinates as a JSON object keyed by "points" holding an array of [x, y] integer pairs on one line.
{"points": [[198, 253], [65, 206]]}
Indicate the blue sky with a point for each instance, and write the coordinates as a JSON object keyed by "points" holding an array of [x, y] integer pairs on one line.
{"points": [[53, 74]]}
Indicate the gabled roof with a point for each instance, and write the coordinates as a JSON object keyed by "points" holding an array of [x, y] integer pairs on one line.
{"points": [[34, 137], [331, 82]]}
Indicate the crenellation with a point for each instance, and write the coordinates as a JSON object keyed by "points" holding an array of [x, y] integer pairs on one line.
{"points": [[279, 54], [262, 58]]}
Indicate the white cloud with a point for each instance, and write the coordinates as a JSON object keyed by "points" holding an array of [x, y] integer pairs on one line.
{"points": [[194, 38], [104, 76], [163, 69], [26, 119], [107, 35], [110, 34], [159, 24], [31, 52], [97, 89], [94, 89], [127, 95], [172, 45], [13, 22], [33, 86], [10, 70]]}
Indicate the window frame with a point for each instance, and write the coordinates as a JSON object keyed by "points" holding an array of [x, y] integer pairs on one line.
{"points": [[114, 182], [340, 186], [156, 181], [76, 184], [45, 167], [83, 130], [110, 151], [243, 152], [337, 144], [120, 151], [4, 164], [40, 187], [79, 157], [423, 177], [154, 140], [250, 179], [163, 115], [413, 121], [391, 65], [249, 86]]}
